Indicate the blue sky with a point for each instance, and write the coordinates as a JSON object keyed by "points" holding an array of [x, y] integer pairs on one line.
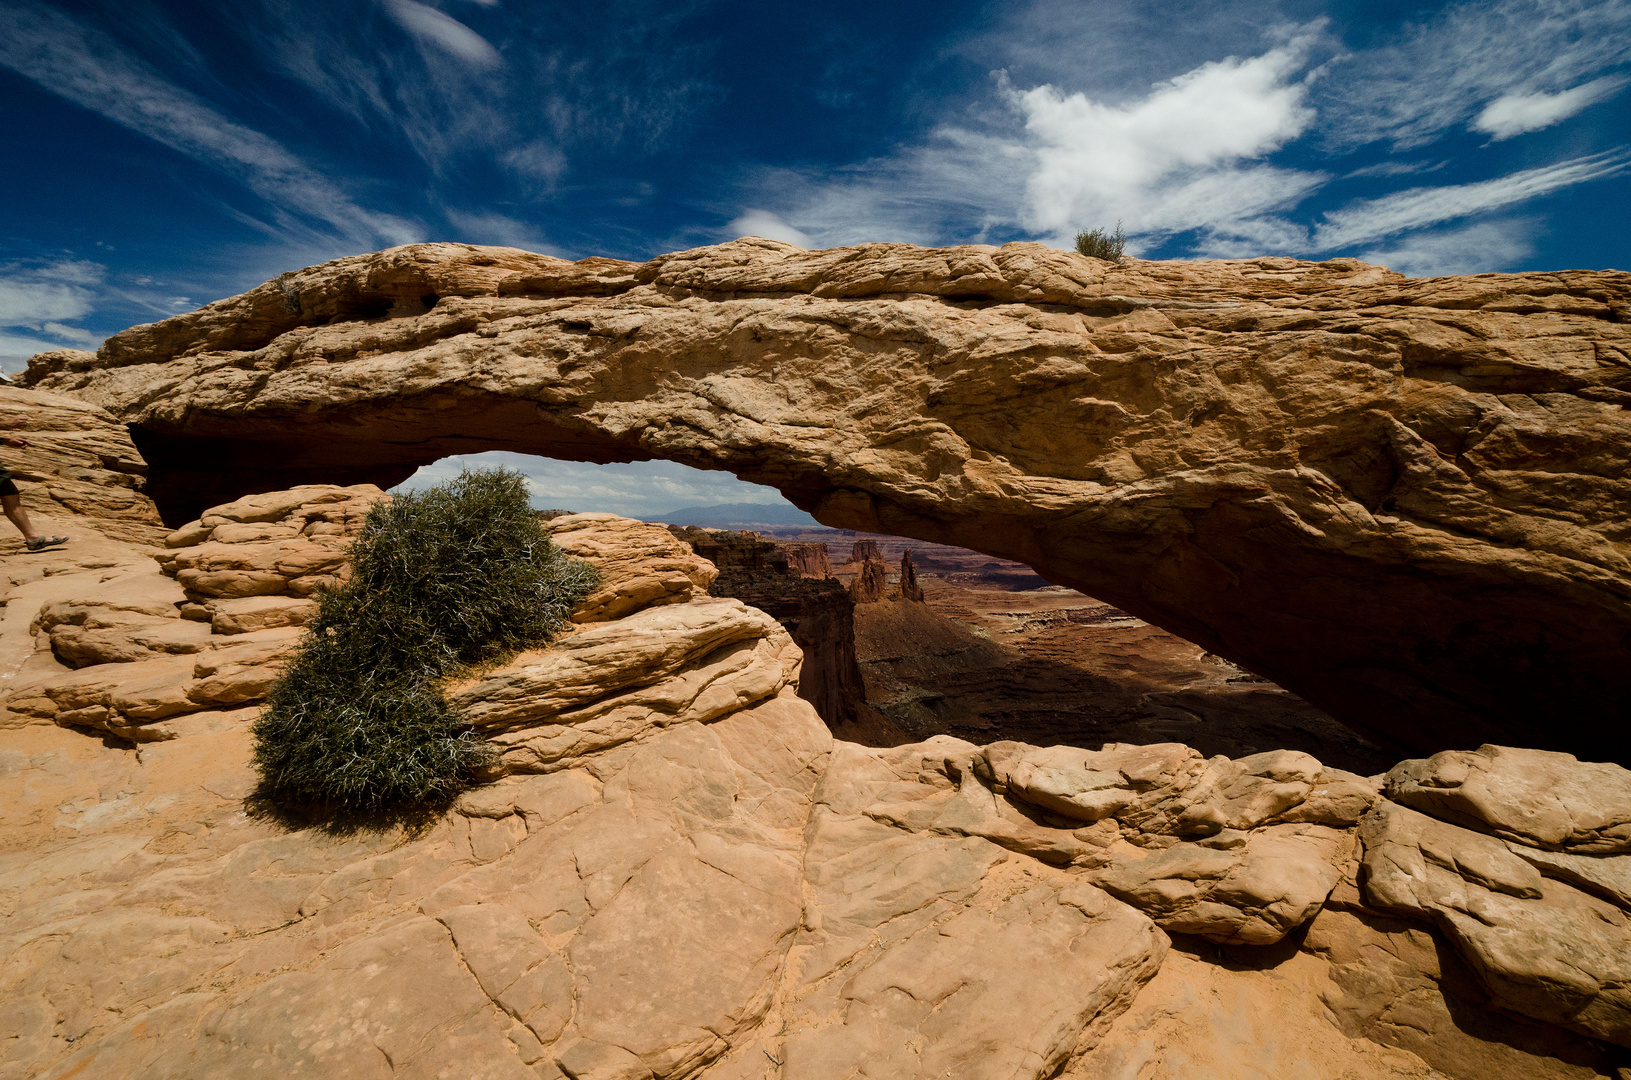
{"points": [[159, 155]]}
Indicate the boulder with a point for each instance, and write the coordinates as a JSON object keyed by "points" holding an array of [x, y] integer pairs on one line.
{"points": [[639, 564], [1541, 947], [1540, 799], [617, 682]]}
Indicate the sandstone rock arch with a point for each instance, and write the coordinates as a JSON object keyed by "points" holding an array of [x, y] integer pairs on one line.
{"points": [[1407, 500]]}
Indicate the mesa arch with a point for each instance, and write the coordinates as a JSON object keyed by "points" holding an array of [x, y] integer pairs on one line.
{"points": [[1407, 500]]}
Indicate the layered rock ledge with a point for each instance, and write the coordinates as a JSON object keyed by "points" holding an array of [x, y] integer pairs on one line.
{"points": [[676, 872], [1406, 500]]}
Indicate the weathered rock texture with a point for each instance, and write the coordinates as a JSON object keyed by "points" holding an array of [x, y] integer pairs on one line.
{"points": [[809, 559], [871, 583], [909, 587], [681, 874], [1405, 500], [862, 550], [818, 614], [79, 467], [149, 652]]}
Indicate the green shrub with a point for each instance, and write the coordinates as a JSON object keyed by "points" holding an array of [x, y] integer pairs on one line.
{"points": [[1103, 245], [441, 579]]}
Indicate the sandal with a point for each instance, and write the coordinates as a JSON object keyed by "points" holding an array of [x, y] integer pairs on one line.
{"points": [[43, 542]]}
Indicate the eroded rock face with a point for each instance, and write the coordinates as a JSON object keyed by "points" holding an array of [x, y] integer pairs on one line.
{"points": [[149, 652], [872, 583], [1432, 473], [681, 874], [80, 467], [817, 614], [809, 559]]}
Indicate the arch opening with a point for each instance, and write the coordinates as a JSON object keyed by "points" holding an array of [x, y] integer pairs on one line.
{"points": [[982, 648]]}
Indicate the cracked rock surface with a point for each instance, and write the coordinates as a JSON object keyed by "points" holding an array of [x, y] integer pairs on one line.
{"points": [[681, 874]]}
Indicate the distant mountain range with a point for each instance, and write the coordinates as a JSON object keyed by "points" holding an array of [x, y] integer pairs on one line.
{"points": [[734, 515]]}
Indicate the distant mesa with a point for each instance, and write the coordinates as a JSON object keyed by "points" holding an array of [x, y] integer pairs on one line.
{"points": [[737, 515], [862, 550]]}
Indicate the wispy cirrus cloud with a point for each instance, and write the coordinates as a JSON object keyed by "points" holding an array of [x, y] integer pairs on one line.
{"points": [[490, 227], [1450, 69], [90, 69], [1468, 249], [442, 31], [1515, 114], [1417, 208], [1205, 158]]}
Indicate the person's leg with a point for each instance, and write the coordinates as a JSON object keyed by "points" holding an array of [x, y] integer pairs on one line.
{"points": [[13, 506]]}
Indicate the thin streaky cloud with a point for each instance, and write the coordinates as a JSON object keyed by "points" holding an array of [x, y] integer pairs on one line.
{"points": [[1374, 219], [1470, 249], [1446, 70], [489, 227], [90, 70], [1516, 114], [444, 32]]}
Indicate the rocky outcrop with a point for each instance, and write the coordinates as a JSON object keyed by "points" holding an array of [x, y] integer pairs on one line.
{"points": [[809, 559], [148, 653], [677, 872], [1431, 472], [862, 550], [871, 582], [909, 587], [80, 466], [817, 614], [639, 565]]}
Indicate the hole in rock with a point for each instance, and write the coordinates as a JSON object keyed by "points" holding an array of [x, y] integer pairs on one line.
{"points": [[991, 651]]}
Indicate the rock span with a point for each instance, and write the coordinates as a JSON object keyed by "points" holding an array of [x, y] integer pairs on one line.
{"points": [[1406, 500]]}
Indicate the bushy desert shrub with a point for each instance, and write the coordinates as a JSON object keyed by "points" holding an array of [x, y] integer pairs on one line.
{"points": [[1101, 244], [457, 575]]}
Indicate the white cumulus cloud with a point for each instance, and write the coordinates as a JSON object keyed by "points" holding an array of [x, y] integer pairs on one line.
{"points": [[1172, 160], [1514, 114]]}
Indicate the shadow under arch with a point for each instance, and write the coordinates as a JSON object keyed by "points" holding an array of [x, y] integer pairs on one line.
{"points": [[384, 444]]}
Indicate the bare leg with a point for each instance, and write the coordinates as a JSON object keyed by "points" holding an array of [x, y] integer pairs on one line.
{"points": [[13, 506]]}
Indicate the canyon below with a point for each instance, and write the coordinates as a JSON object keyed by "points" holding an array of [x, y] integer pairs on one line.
{"points": [[1251, 702]]}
